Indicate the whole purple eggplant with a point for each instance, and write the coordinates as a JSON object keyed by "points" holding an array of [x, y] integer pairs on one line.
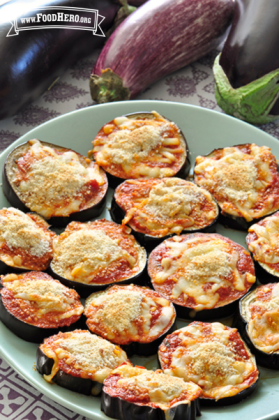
{"points": [[247, 71], [157, 39], [33, 60]]}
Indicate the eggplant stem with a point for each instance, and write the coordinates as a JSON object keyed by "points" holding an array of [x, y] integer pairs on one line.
{"points": [[252, 102], [124, 11], [108, 87]]}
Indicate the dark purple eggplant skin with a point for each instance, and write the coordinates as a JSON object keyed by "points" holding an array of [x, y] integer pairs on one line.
{"points": [[234, 222], [263, 276], [81, 385], [268, 360], [14, 200], [150, 242], [26, 331], [159, 38], [238, 223], [33, 60], [85, 290], [207, 402], [5, 269], [117, 408], [251, 49], [206, 314], [147, 349]]}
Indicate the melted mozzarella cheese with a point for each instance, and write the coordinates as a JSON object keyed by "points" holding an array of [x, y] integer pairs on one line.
{"points": [[80, 254], [48, 295], [94, 356], [238, 178], [265, 247], [161, 389], [128, 146], [261, 310], [210, 361], [196, 262], [137, 143], [119, 309], [173, 199], [18, 230], [264, 331], [53, 179]]}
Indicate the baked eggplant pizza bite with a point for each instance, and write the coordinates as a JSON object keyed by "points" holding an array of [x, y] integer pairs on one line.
{"points": [[59, 184], [33, 305], [204, 275], [25, 241], [158, 208], [259, 323], [263, 243], [90, 256], [135, 317], [137, 393], [243, 179], [214, 357], [78, 360], [141, 145]]}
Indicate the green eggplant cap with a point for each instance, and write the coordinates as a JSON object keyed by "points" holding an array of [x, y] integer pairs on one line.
{"points": [[252, 102]]}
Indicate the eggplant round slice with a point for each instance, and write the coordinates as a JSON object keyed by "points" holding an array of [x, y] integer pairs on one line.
{"points": [[258, 323], [136, 318], [141, 145], [26, 241], [33, 305], [214, 357], [156, 209], [262, 241], [91, 256], [137, 393], [243, 179], [78, 360], [203, 274], [59, 184]]}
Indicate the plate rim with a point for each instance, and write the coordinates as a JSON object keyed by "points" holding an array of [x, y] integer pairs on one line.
{"points": [[8, 357]]}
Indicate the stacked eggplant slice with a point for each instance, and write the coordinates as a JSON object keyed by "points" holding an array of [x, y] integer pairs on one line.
{"points": [[163, 237], [91, 256], [243, 179], [33, 305], [156, 209], [259, 323], [141, 145], [137, 318], [133, 393], [26, 241], [78, 360], [59, 184], [262, 241], [214, 357], [204, 275]]}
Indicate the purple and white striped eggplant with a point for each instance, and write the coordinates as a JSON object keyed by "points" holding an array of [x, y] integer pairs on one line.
{"points": [[157, 39]]}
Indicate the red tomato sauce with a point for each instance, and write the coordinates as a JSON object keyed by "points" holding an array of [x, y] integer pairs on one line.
{"points": [[150, 161], [226, 293], [27, 310]]}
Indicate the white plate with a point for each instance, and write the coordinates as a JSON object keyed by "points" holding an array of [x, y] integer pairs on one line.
{"points": [[205, 130]]}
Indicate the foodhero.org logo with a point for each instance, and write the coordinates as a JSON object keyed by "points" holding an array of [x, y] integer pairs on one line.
{"points": [[56, 17]]}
